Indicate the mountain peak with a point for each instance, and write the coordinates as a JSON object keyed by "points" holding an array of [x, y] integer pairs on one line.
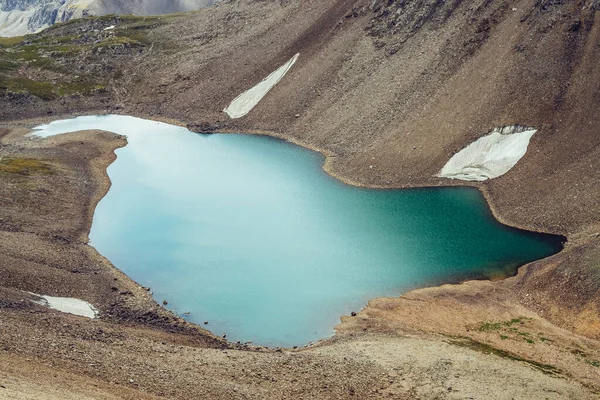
{"points": [[20, 17]]}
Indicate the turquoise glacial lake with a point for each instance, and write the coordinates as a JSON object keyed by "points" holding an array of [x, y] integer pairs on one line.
{"points": [[249, 234]]}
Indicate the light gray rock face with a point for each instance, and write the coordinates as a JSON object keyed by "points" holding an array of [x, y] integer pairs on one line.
{"points": [[19, 17]]}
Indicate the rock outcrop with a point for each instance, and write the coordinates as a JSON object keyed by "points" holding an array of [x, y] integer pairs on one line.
{"points": [[19, 17]]}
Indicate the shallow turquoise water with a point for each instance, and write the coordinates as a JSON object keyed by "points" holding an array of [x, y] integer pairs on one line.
{"points": [[250, 234]]}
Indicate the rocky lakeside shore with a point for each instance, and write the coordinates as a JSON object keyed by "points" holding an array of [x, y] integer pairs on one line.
{"points": [[531, 336]]}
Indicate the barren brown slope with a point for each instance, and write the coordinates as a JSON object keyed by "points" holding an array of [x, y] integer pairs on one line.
{"points": [[389, 93]]}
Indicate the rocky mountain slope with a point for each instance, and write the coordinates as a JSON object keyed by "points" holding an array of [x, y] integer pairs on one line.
{"points": [[18, 17], [389, 91]]}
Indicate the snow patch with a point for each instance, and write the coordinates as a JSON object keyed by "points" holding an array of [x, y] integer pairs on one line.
{"points": [[490, 156], [68, 305], [246, 101]]}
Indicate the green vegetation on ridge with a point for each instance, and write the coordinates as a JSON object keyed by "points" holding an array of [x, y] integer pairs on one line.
{"points": [[75, 58]]}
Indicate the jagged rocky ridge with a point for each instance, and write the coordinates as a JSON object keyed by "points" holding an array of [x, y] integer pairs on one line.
{"points": [[395, 21], [19, 17]]}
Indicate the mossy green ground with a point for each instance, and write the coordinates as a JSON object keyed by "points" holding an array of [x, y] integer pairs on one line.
{"points": [[518, 329], [23, 166], [512, 329], [55, 63], [487, 349]]}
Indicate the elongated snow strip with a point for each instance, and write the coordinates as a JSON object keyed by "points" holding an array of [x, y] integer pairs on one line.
{"points": [[246, 101]]}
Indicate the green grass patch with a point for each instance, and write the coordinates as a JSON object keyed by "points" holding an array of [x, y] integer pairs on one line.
{"points": [[489, 326], [494, 326], [25, 53], [487, 349], [23, 166], [594, 363], [54, 40], [56, 62], [80, 87], [46, 90], [7, 65], [11, 41], [41, 90], [507, 327]]}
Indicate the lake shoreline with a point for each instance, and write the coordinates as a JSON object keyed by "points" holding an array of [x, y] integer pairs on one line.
{"points": [[367, 321], [328, 164], [328, 158], [327, 167], [449, 269]]}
